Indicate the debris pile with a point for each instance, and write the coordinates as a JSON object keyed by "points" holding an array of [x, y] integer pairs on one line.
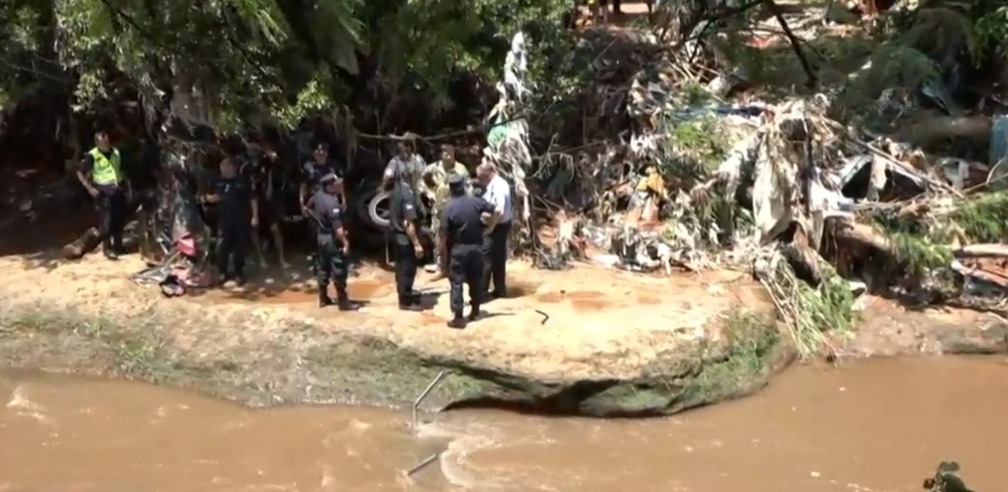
{"points": [[508, 138], [820, 211]]}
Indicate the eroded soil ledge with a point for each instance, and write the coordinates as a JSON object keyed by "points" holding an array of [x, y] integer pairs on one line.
{"points": [[614, 344]]}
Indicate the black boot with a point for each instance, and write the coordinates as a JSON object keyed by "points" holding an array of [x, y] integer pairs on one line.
{"points": [[458, 322], [324, 301], [343, 301], [474, 312], [117, 246], [109, 252], [410, 301]]}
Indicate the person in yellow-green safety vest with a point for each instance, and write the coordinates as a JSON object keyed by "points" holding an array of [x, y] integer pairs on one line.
{"points": [[102, 176]]}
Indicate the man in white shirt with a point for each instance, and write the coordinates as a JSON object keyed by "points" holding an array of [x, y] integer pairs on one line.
{"points": [[497, 191]]}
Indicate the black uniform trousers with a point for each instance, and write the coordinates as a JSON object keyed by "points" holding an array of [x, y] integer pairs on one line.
{"points": [[405, 269], [465, 266], [331, 266], [495, 255], [313, 258], [111, 207], [235, 234]]}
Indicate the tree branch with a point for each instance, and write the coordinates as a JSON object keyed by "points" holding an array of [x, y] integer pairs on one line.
{"points": [[775, 10]]}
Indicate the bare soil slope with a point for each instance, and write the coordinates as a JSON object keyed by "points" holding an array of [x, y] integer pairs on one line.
{"points": [[583, 341]]}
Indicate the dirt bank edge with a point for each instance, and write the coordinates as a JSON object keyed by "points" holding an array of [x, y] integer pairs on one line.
{"points": [[303, 364]]}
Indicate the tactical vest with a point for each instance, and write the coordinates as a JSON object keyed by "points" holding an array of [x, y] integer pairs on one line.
{"points": [[106, 170]]}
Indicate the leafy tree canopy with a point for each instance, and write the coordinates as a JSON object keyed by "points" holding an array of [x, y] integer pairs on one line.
{"points": [[258, 58]]}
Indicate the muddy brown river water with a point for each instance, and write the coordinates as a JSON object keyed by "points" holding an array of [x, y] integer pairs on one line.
{"points": [[866, 426]]}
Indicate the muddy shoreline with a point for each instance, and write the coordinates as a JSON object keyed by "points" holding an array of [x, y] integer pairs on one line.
{"points": [[309, 365], [73, 319]]}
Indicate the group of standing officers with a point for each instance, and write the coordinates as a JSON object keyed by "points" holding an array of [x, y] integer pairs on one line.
{"points": [[470, 231]]}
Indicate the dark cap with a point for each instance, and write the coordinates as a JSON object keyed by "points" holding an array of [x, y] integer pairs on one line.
{"points": [[456, 181]]}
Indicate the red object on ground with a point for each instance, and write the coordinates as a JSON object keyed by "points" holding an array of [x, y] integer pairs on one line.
{"points": [[186, 245]]}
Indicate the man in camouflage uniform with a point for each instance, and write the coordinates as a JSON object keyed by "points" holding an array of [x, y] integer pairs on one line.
{"points": [[434, 182], [406, 166]]}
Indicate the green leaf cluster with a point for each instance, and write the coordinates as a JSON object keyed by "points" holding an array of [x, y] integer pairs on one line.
{"points": [[924, 242], [280, 59]]}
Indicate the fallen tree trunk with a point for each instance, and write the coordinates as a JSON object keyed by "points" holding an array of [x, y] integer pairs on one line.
{"points": [[982, 250], [863, 234], [89, 242], [86, 243]]}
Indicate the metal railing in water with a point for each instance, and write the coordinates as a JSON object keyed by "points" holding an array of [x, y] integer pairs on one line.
{"points": [[430, 387], [423, 464], [415, 424]]}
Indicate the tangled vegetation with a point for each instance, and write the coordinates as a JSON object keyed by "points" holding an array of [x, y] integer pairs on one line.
{"points": [[923, 237], [262, 59], [813, 317]]}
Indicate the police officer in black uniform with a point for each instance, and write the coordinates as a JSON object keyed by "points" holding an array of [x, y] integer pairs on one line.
{"points": [[237, 217], [314, 170], [404, 219], [460, 242], [330, 258], [312, 173]]}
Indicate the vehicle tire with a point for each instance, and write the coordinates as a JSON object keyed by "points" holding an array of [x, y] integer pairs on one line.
{"points": [[378, 208]]}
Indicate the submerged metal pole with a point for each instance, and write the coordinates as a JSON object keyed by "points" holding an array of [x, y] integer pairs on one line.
{"points": [[420, 399], [423, 464]]}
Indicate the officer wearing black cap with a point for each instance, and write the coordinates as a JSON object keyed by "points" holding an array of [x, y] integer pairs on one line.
{"points": [[314, 170], [330, 259], [460, 241]]}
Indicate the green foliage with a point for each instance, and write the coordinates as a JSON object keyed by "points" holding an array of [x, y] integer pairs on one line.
{"points": [[830, 307], [701, 139], [690, 155], [920, 253], [311, 99], [19, 73], [923, 243], [262, 58], [981, 217], [992, 23], [918, 43], [952, 31], [809, 312], [694, 147], [893, 66]]}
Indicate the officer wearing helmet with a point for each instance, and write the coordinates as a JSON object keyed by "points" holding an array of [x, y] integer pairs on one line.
{"points": [[331, 240]]}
